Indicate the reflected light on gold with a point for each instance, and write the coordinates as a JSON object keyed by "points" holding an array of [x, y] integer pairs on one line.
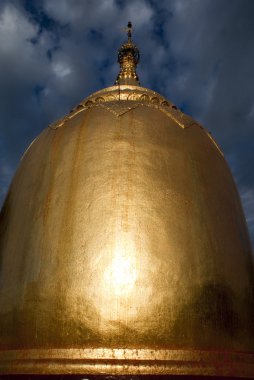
{"points": [[121, 274], [115, 290]]}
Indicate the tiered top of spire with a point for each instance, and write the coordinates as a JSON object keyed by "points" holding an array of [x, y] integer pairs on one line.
{"points": [[128, 58]]}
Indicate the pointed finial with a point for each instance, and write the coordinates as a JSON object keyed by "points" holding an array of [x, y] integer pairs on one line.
{"points": [[128, 58]]}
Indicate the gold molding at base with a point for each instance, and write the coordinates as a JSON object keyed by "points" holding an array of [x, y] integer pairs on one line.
{"points": [[127, 362]]}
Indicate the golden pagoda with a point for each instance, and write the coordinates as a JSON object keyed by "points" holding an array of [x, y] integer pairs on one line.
{"points": [[124, 247]]}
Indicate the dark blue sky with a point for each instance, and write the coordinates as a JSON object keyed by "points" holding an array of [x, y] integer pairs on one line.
{"points": [[197, 53]]}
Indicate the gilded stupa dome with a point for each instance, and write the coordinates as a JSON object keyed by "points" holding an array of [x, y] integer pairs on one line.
{"points": [[124, 247]]}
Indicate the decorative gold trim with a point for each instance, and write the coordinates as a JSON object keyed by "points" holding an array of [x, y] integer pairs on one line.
{"points": [[28, 148], [127, 362], [214, 142], [60, 122], [126, 92], [140, 96]]}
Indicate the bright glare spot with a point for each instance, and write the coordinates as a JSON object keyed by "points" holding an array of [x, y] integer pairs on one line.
{"points": [[121, 274]]}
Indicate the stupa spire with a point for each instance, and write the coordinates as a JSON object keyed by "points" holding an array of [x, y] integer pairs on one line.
{"points": [[128, 58]]}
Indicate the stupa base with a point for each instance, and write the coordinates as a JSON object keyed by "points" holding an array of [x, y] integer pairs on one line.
{"points": [[87, 363]]}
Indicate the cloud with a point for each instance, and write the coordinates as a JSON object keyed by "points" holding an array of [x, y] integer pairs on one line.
{"points": [[14, 27]]}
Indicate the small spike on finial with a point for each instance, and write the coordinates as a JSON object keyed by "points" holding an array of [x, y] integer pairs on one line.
{"points": [[129, 30], [128, 58]]}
